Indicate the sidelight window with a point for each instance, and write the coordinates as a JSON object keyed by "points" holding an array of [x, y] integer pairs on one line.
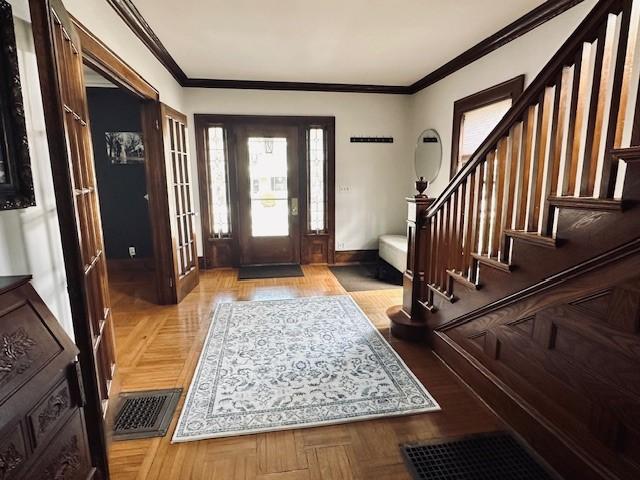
{"points": [[317, 179], [218, 183]]}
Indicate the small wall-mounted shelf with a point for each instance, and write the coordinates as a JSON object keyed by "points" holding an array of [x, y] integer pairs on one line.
{"points": [[371, 139]]}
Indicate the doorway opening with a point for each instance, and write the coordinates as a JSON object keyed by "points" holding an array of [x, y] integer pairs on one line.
{"points": [[119, 156]]}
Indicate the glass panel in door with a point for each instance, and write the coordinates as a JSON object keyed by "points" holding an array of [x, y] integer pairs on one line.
{"points": [[268, 178]]}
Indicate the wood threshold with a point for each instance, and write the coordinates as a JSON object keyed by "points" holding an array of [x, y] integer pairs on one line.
{"points": [[587, 203], [493, 263], [533, 238]]}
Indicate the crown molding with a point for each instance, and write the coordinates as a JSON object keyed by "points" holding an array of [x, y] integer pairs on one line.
{"points": [[295, 86], [532, 19], [136, 22]]}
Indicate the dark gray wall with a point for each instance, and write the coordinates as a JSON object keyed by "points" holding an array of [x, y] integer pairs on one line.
{"points": [[121, 188]]}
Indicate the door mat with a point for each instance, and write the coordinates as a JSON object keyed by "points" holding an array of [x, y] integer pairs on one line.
{"points": [[269, 271], [361, 277]]}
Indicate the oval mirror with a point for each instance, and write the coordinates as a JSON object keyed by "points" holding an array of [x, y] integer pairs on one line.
{"points": [[428, 155]]}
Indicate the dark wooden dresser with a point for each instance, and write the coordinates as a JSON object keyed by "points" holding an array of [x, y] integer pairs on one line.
{"points": [[42, 429]]}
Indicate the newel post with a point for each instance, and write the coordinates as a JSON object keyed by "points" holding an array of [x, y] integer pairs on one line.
{"points": [[407, 322]]}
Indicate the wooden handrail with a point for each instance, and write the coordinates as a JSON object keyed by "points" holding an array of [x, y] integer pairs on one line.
{"points": [[555, 141]]}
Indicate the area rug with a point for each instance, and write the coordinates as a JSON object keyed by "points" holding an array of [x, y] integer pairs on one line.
{"points": [[282, 364]]}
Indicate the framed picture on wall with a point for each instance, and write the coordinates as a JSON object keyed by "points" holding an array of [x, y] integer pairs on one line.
{"points": [[16, 182], [125, 148]]}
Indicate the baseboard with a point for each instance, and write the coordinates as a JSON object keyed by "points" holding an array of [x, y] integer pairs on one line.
{"points": [[130, 264], [355, 256], [556, 448]]}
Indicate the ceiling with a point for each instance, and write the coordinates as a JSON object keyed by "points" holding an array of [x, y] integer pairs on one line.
{"points": [[381, 42]]}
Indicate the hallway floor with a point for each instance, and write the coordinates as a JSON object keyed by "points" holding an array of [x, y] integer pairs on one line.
{"points": [[158, 347]]}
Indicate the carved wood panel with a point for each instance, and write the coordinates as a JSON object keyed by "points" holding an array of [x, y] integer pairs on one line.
{"points": [[13, 452], [26, 345], [41, 389], [575, 362]]}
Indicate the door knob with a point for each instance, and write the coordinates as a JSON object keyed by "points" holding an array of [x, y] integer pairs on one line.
{"points": [[294, 206]]}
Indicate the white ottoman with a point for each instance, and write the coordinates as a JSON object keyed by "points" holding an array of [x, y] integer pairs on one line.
{"points": [[393, 250]]}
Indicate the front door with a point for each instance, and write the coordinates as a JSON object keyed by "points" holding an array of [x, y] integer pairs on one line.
{"points": [[268, 194]]}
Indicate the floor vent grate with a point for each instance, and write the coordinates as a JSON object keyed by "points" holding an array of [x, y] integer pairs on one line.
{"points": [[495, 456], [145, 414]]}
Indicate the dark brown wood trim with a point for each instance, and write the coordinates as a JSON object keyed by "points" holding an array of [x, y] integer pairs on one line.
{"points": [[50, 87], [102, 59], [536, 17], [138, 25], [355, 256], [226, 251], [588, 203], [295, 86], [508, 89], [532, 19]]}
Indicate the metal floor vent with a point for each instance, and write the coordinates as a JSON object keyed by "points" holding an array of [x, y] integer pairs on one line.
{"points": [[495, 456], [145, 414]]}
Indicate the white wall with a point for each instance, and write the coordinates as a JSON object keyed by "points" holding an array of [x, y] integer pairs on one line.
{"points": [[102, 20], [30, 238], [378, 176], [433, 106]]}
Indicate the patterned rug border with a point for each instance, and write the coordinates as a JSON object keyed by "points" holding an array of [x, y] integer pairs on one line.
{"points": [[434, 408]]}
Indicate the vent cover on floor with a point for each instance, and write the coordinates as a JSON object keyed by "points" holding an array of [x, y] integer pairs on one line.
{"points": [[495, 456], [145, 414]]}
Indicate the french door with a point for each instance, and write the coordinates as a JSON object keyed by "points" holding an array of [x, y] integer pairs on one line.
{"points": [[268, 200], [185, 274], [59, 56]]}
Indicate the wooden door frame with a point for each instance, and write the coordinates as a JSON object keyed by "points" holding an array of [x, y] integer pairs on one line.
{"points": [[220, 252], [97, 55], [50, 88], [101, 58]]}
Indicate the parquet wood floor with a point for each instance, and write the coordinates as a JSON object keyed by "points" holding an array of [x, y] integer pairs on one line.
{"points": [[158, 347]]}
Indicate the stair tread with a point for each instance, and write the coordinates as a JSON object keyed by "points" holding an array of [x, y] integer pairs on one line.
{"points": [[493, 262], [435, 289], [587, 203], [461, 279], [627, 153], [533, 237]]}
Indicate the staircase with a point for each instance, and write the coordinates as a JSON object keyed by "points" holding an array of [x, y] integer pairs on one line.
{"points": [[529, 281]]}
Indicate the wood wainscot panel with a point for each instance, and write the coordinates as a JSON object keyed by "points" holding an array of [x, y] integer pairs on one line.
{"points": [[561, 366], [315, 248]]}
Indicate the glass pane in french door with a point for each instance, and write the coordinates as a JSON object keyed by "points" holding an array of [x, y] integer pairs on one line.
{"points": [[268, 187]]}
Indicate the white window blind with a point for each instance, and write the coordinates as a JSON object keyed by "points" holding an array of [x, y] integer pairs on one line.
{"points": [[476, 126]]}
